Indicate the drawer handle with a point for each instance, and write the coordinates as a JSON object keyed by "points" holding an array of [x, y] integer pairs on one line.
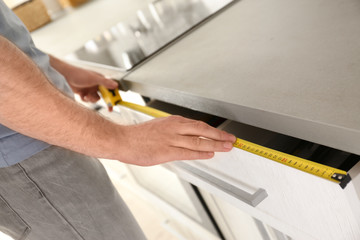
{"points": [[251, 199]]}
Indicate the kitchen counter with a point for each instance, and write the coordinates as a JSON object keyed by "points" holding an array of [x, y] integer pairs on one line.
{"points": [[289, 67]]}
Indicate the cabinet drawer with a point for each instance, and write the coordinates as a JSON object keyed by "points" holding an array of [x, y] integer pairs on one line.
{"points": [[299, 204]]}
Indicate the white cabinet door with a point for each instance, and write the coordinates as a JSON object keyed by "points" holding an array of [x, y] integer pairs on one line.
{"points": [[233, 223], [301, 205], [236, 224]]}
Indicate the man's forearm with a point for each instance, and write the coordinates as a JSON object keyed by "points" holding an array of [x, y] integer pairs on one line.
{"points": [[31, 105], [61, 66]]}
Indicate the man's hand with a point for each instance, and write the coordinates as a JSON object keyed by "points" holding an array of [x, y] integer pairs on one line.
{"points": [[82, 81], [59, 120], [173, 138]]}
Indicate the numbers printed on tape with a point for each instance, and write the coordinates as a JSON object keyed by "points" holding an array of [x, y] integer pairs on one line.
{"points": [[308, 166]]}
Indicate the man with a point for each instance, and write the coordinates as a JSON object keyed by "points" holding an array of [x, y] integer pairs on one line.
{"points": [[48, 188]]}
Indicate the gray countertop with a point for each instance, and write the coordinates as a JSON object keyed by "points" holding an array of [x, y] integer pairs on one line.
{"points": [[288, 66]]}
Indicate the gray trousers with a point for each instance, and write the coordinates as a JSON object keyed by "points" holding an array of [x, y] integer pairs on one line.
{"points": [[61, 195]]}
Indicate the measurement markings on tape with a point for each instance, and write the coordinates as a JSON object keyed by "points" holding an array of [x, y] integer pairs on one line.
{"points": [[320, 170]]}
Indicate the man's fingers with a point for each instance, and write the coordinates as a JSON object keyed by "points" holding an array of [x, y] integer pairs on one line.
{"points": [[186, 154], [108, 83], [202, 129], [90, 97], [170, 154], [201, 144]]}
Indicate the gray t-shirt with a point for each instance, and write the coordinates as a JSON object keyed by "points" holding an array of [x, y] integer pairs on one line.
{"points": [[15, 147]]}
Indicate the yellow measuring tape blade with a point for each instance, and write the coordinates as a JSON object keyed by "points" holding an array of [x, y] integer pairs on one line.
{"points": [[308, 166], [147, 110], [112, 97]]}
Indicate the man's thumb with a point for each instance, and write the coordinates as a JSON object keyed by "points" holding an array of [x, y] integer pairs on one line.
{"points": [[109, 83]]}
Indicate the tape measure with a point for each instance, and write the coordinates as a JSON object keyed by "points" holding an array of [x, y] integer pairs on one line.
{"points": [[112, 98], [321, 170]]}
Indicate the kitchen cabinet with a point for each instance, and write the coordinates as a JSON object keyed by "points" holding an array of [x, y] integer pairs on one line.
{"points": [[301, 205], [236, 224]]}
